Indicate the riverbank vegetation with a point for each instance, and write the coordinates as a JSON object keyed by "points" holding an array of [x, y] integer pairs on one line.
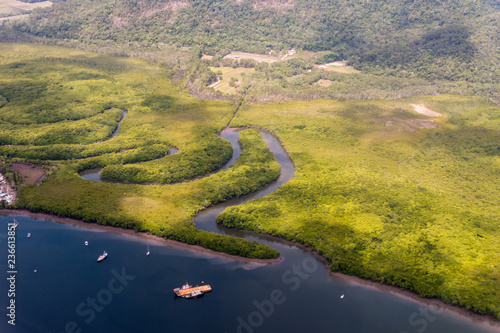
{"points": [[157, 116], [386, 198]]}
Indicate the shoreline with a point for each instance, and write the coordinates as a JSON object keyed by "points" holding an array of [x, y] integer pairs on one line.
{"points": [[485, 320], [456, 310], [140, 235]]}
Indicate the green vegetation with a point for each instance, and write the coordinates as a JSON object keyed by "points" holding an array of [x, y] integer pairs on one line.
{"points": [[455, 40], [385, 199], [381, 191], [230, 78], [157, 116], [299, 77]]}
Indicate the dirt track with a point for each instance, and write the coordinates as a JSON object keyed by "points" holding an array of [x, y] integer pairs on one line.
{"points": [[420, 108], [256, 57]]}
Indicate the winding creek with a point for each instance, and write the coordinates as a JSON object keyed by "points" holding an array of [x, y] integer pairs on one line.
{"points": [[132, 292]]}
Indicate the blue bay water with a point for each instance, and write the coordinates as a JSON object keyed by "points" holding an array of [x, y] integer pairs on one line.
{"points": [[306, 297]]}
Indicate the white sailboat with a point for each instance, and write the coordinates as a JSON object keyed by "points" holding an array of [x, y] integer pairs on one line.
{"points": [[103, 256], [147, 253]]}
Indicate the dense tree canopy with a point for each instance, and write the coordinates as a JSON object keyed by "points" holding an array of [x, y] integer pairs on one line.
{"points": [[376, 35]]}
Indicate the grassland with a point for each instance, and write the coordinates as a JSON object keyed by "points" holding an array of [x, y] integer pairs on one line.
{"points": [[229, 78], [411, 207]]}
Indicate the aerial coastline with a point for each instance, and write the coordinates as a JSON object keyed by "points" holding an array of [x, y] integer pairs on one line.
{"points": [[486, 320]]}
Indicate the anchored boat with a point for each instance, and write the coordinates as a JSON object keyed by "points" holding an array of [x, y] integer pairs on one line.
{"points": [[188, 291], [103, 256]]}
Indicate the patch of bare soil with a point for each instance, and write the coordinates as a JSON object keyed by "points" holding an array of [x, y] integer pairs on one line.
{"points": [[256, 57], [29, 174], [280, 6], [207, 57], [15, 6], [496, 101], [337, 66], [420, 108]]}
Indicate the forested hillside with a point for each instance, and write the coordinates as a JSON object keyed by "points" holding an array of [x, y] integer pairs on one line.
{"points": [[437, 39]]}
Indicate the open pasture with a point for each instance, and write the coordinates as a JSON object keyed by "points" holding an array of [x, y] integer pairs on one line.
{"points": [[229, 74]]}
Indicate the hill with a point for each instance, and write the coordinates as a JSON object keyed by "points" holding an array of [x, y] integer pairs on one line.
{"points": [[452, 40]]}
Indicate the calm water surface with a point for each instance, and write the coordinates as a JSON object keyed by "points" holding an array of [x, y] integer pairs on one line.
{"points": [[306, 298]]}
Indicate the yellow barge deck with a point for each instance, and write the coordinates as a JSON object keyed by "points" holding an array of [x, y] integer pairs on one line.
{"points": [[183, 292]]}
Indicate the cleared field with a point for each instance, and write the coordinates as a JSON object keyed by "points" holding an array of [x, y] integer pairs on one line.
{"points": [[420, 108], [29, 174], [256, 57], [228, 75], [337, 66], [15, 7]]}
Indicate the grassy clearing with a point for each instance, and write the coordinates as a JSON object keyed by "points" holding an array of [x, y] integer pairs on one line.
{"points": [[229, 78], [338, 67], [415, 209]]}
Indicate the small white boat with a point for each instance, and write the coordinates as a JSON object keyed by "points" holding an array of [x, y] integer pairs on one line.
{"points": [[103, 256], [342, 296], [86, 243], [147, 253], [195, 294], [29, 235]]}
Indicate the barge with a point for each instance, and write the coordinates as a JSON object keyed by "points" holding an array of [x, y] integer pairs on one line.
{"points": [[188, 291]]}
